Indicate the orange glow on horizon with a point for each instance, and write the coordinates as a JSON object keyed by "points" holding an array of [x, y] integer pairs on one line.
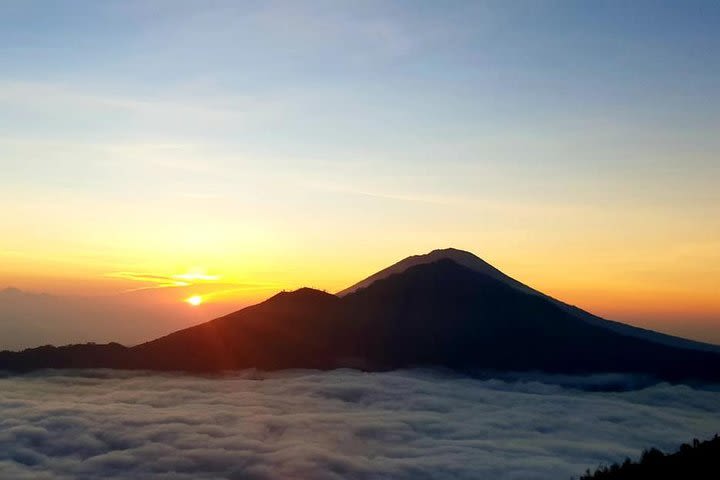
{"points": [[673, 288]]}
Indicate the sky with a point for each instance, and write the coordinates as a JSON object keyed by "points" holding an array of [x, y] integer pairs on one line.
{"points": [[155, 150]]}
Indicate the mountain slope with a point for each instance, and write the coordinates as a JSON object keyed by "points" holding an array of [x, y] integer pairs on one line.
{"points": [[476, 264], [445, 314], [289, 330]]}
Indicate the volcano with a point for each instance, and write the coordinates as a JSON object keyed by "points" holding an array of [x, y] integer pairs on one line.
{"points": [[447, 308]]}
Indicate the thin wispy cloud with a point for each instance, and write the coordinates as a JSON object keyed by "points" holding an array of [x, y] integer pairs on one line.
{"points": [[202, 196], [48, 95], [165, 281], [157, 281], [216, 283], [404, 197]]}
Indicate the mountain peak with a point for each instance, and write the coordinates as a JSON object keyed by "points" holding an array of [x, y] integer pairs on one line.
{"points": [[301, 296], [461, 257]]}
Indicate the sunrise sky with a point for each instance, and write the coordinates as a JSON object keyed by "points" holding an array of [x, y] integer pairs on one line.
{"points": [[156, 151]]}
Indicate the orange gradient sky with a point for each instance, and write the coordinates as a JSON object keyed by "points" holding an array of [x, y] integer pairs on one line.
{"points": [[274, 146], [638, 271]]}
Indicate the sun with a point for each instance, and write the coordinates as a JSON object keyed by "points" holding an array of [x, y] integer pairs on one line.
{"points": [[195, 300]]}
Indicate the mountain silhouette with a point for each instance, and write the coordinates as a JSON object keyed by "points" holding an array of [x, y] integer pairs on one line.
{"points": [[447, 308], [475, 263]]}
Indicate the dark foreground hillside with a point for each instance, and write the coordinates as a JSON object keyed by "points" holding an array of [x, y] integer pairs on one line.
{"points": [[699, 461]]}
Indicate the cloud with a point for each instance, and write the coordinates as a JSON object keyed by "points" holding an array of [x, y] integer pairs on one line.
{"points": [[42, 95], [404, 197], [157, 281], [331, 425], [165, 281]]}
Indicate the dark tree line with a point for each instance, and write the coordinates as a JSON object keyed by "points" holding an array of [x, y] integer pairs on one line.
{"points": [[696, 461]]}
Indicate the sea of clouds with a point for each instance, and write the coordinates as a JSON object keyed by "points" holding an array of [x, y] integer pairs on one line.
{"points": [[343, 424]]}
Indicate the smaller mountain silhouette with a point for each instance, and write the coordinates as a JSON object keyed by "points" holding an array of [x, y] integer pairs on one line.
{"points": [[447, 308]]}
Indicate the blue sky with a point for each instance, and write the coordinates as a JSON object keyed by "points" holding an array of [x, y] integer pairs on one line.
{"points": [[447, 68]]}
